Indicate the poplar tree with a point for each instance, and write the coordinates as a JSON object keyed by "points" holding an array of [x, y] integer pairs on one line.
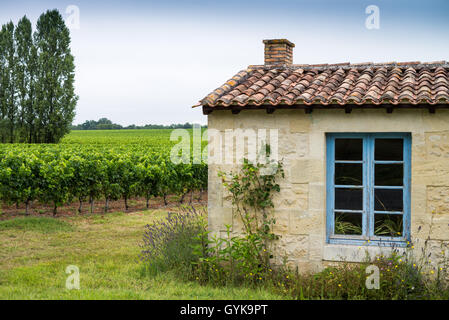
{"points": [[37, 71], [8, 101], [3, 84], [56, 99], [26, 69]]}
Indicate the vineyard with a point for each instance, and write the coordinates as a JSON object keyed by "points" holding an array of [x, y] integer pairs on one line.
{"points": [[87, 167]]}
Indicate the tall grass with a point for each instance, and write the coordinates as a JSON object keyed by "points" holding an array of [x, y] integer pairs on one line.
{"points": [[171, 245]]}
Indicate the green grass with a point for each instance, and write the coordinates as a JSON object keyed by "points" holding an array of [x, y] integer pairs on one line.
{"points": [[139, 136], [42, 225], [34, 253]]}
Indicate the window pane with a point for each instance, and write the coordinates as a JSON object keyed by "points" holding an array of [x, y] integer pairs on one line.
{"points": [[388, 149], [388, 225], [348, 174], [348, 223], [389, 175], [349, 199], [388, 200], [348, 149]]}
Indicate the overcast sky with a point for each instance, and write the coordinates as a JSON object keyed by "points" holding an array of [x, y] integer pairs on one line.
{"points": [[149, 61]]}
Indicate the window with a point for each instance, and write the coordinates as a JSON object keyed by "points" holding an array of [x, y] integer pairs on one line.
{"points": [[368, 188]]}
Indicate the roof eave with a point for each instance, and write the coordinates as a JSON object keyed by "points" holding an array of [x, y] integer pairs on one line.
{"points": [[207, 109]]}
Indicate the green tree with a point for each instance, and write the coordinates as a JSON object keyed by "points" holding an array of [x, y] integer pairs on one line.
{"points": [[56, 97], [26, 71], [8, 101]]}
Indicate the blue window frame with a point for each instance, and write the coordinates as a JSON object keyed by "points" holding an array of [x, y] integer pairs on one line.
{"points": [[368, 188]]}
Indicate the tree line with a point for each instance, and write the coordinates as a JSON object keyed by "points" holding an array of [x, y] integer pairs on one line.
{"points": [[37, 70], [106, 124]]}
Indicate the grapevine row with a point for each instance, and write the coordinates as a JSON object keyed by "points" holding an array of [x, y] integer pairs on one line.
{"points": [[56, 175]]}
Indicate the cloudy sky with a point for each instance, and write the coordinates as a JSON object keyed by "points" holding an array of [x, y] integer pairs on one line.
{"points": [[149, 61]]}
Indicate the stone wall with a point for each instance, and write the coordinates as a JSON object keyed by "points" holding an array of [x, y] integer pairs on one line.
{"points": [[301, 204]]}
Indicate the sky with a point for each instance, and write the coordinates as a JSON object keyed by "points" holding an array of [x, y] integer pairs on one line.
{"points": [[149, 62]]}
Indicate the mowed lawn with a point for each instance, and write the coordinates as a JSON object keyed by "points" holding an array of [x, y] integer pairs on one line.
{"points": [[34, 254]]}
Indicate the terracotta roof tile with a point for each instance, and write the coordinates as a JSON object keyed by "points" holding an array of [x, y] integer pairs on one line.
{"points": [[343, 84]]}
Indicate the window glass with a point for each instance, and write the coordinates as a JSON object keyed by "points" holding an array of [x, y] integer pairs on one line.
{"points": [[388, 150], [349, 174], [388, 200], [348, 149], [389, 174], [348, 223], [348, 199], [388, 225]]}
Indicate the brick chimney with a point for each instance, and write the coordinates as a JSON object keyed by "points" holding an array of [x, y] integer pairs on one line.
{"points": [[278, 52]]}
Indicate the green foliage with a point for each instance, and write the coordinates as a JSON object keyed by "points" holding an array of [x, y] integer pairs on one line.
{"points": [[346, 227], [57, 174], [244, 257], [400, 279], [388, 227], [169, 244], [37, 99], [40, 224], [20, 179], [383, 227]]}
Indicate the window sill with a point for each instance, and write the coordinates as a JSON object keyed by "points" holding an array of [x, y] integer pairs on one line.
{"points": [[351, 253]]}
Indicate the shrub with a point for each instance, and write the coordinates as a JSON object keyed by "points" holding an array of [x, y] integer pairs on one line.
{"points": [[169, 244], [245, 257]]}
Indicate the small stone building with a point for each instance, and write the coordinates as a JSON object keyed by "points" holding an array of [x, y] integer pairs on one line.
{"points": [[365, 149]]}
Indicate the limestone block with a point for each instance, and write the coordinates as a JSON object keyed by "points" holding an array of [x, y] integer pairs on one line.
{"points": [[299, 171], [254, 119], [436, 122], [300, 122], [306, 222], [438, 199], [440, 228], [295, 197], [282, 120], [437, 144], [292, 247], [301, 194], [221, 120], [293, 146], [317, 196], [282, 222], [433, 226], [317, 171], [419, 225], [219, 217], [317, 145], [366, 120], [316, 246], [348, 253], [418, 200], [430, 172], [215, 191], [419, 146]]}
